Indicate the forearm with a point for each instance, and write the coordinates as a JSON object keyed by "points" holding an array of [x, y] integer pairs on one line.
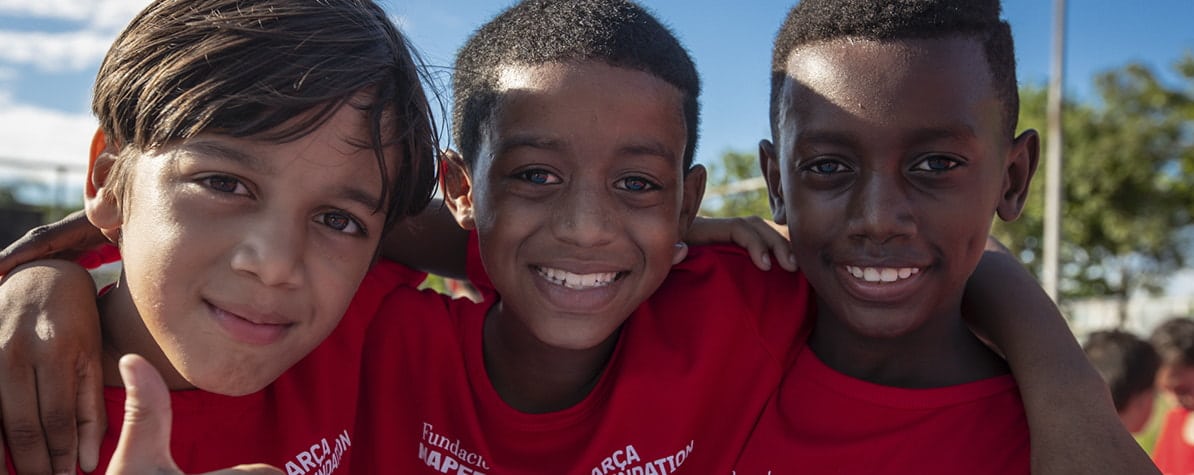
{"points": [[1073, 424], [431, 242]]}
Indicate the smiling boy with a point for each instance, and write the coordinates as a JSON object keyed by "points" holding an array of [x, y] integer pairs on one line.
{"points": [[248, 206], [893, 145], [579, 133], [602, 351]]}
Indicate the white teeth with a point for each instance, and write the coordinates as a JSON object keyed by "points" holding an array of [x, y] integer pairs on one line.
{"points": [[882, 274], [577, 281]]}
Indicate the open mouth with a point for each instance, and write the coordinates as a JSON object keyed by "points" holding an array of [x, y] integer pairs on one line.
{"points": [[578, 281], [882, 275]]}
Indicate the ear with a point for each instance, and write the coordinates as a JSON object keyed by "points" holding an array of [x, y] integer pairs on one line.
{"points": [[1021, 165], [694, 192], [690, 206], [769, 165], [458, 188], [99, 199]]}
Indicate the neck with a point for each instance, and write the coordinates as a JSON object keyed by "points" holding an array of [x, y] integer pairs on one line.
{"points": [[534, 377], [942, 352], [124, 332]]}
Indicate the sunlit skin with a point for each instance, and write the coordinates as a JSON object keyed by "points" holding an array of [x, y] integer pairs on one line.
{"points": [[240, 255], [890, 163], [579, 196]]}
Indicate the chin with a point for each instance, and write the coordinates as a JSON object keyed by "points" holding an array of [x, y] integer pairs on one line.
{"points": [[232, 381]]}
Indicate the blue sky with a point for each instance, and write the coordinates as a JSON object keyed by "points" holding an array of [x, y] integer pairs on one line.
{"points": [[50, 49]]}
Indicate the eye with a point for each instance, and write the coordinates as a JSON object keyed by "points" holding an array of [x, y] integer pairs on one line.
{"points": [[538, 176], [936, 164], [341, 222], [225, 184], [636, 183], [827, 167]]}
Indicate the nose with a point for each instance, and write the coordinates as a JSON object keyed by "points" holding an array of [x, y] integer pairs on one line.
{"points": [[272, 252], [585, 216], [880, 208]]}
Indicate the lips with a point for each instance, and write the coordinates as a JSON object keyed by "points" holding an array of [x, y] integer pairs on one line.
{"points": [[250, 327]]}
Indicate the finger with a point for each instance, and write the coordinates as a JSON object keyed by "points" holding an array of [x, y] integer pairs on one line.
{"points": [[56, 399], [22, 429], [749, 239], [255, 469], [92, 417], [144, 445], [72, 232], [779, 246]]}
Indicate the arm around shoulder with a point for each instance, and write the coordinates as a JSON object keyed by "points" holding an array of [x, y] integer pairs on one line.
{"points": [[51, 388], [1073, 424]]}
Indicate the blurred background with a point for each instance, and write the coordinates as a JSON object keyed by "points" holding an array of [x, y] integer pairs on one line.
{"points": [[1127, 195]]}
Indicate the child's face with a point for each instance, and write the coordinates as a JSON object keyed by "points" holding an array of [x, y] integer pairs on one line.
{"points": [[241, 255], [578, 195], [1177, 380], [890, 163]]}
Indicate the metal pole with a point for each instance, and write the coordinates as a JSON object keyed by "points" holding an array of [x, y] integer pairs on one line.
{"points": [[1053, 172]]}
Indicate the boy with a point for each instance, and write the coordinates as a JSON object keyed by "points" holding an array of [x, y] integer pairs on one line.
{"points": [[1129, 365], [892, 146], [1174, 342], [579, 181], [576, 121], [577, 126], [248, 170]]}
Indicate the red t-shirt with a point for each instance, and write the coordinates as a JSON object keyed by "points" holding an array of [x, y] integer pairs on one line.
{"points": [[302, 422], [692, 370], [822, 421], [1172, 454]]}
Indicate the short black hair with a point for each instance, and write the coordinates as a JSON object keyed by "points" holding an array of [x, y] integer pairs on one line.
{"points": [[813, 21], [1127, 363], [619, 33], [1174, 341]]}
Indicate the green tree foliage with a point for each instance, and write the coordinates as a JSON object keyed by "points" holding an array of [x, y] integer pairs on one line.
{"points": [[1128, 183], [735, 187]]}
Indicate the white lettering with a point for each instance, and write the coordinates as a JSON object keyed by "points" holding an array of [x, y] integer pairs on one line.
{"points": [[453, 447]]}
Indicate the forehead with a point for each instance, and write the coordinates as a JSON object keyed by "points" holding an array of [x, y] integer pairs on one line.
{"points": [[583, 76], [588, 105], [922, 83]]}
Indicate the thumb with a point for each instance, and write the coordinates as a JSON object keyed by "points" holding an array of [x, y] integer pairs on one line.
{"points": [[145, 437]]}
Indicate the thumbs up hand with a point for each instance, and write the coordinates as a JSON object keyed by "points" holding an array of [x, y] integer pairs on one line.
{"points": [[145, 437]]}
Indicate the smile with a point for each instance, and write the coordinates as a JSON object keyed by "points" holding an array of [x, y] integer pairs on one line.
{"points": [[882, 274], [577, 281]]}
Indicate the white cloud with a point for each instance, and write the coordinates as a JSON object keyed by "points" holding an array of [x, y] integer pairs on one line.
{"points": [[44, 136], [101, 13], [71, 50], [54, 52]]}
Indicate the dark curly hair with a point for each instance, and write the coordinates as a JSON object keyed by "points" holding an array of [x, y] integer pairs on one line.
{"points": [[616, 32], [885, 20]]}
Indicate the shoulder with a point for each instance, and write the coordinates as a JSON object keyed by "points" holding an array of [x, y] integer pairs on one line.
{"points": [[726, 270]]}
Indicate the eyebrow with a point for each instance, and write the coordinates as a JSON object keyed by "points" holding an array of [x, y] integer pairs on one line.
{"points": [[645, 147], [219, 151], [649, 147], [358, 195], [958, 132], [528, 140]]}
